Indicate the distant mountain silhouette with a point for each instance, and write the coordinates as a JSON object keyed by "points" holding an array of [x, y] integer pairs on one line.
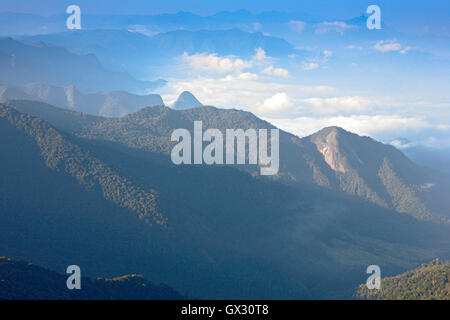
{"points": [[138, 54], [24, 62], [38, 24], [20, 280], [104, 103], [433, 158], [186, 100]]}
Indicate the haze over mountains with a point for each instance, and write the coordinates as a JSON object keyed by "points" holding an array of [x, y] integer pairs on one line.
{"points": [[23, 63], [103, 103], [123, 50], [116, 171], [12, 23], [86, 176]]}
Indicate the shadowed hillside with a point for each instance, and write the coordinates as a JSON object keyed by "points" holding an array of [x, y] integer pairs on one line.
{"points": [[20, 280]]}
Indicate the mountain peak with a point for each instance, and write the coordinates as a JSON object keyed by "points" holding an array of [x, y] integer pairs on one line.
{"points": [[186, 100], [331, 129], [328, 144]]}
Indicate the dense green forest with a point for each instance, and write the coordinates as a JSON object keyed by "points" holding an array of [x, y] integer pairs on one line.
{"points": [[428, 282]]}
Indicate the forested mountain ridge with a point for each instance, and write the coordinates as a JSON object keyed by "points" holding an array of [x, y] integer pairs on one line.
{"points": [[331, 158], [382, 174], [61, 154], [20, 280], [431, 281]]}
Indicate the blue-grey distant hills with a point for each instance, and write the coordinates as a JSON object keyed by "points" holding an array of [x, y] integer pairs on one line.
{"points": [[140, 54], [29, 24], [104, 103], [24, 62]]}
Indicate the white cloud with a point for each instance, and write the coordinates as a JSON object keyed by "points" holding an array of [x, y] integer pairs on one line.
{"points": [[401, 143], [214, 63], [443, 127], [303, 110], [371, 125], [278, 72], [257, 26], [139, 28], [240, 90], [327, 53], [260, 55], [334, 105], [405, 50], [315, 62], [352, 46], [391, 45], [388, 46], [309, 66], [277, 103], [247, 76], [297, 26], [335, 26]]}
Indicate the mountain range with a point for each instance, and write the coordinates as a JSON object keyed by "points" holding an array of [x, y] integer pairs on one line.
{"points": [[86, 176], [141, 55], [103, 193], [24, 62], [12, 23], [331, 158], [103, 103]]}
